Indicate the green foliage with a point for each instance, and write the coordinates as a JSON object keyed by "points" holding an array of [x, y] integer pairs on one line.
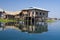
{"points": [[7, 20], [49, 21]]}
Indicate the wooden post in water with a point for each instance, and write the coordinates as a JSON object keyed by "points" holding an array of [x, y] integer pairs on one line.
{"points": [[27, 21], [31, 21]]}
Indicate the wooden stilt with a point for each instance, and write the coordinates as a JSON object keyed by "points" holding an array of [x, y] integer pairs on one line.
{"points": [[31, 20]]}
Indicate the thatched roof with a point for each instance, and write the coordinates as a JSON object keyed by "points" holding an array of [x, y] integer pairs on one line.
{"points": [[12, 13]]}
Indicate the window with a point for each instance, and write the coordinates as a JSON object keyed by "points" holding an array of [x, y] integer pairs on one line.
{"points": [[43, 13], [36, 13], [40, 13], [33, 12]]}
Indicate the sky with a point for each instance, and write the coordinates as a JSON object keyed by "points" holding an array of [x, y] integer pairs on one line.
{"points": [[15, 5]]}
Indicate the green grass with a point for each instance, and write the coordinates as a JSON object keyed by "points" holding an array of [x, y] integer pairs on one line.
{"points": [[7, 20], [13, 20], [49, 21]]}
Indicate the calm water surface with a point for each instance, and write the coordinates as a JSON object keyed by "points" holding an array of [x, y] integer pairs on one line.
{"points": [[44, 31]]}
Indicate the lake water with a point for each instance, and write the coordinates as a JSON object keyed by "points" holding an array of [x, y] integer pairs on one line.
{"points": [[41, 31]]}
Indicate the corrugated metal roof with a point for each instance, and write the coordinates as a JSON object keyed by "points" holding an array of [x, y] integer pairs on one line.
{"points": [[35, 8]]}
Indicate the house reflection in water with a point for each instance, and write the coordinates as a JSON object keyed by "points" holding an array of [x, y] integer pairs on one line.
{"points": [[8, 25], [2, 26], [38, 28]]}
